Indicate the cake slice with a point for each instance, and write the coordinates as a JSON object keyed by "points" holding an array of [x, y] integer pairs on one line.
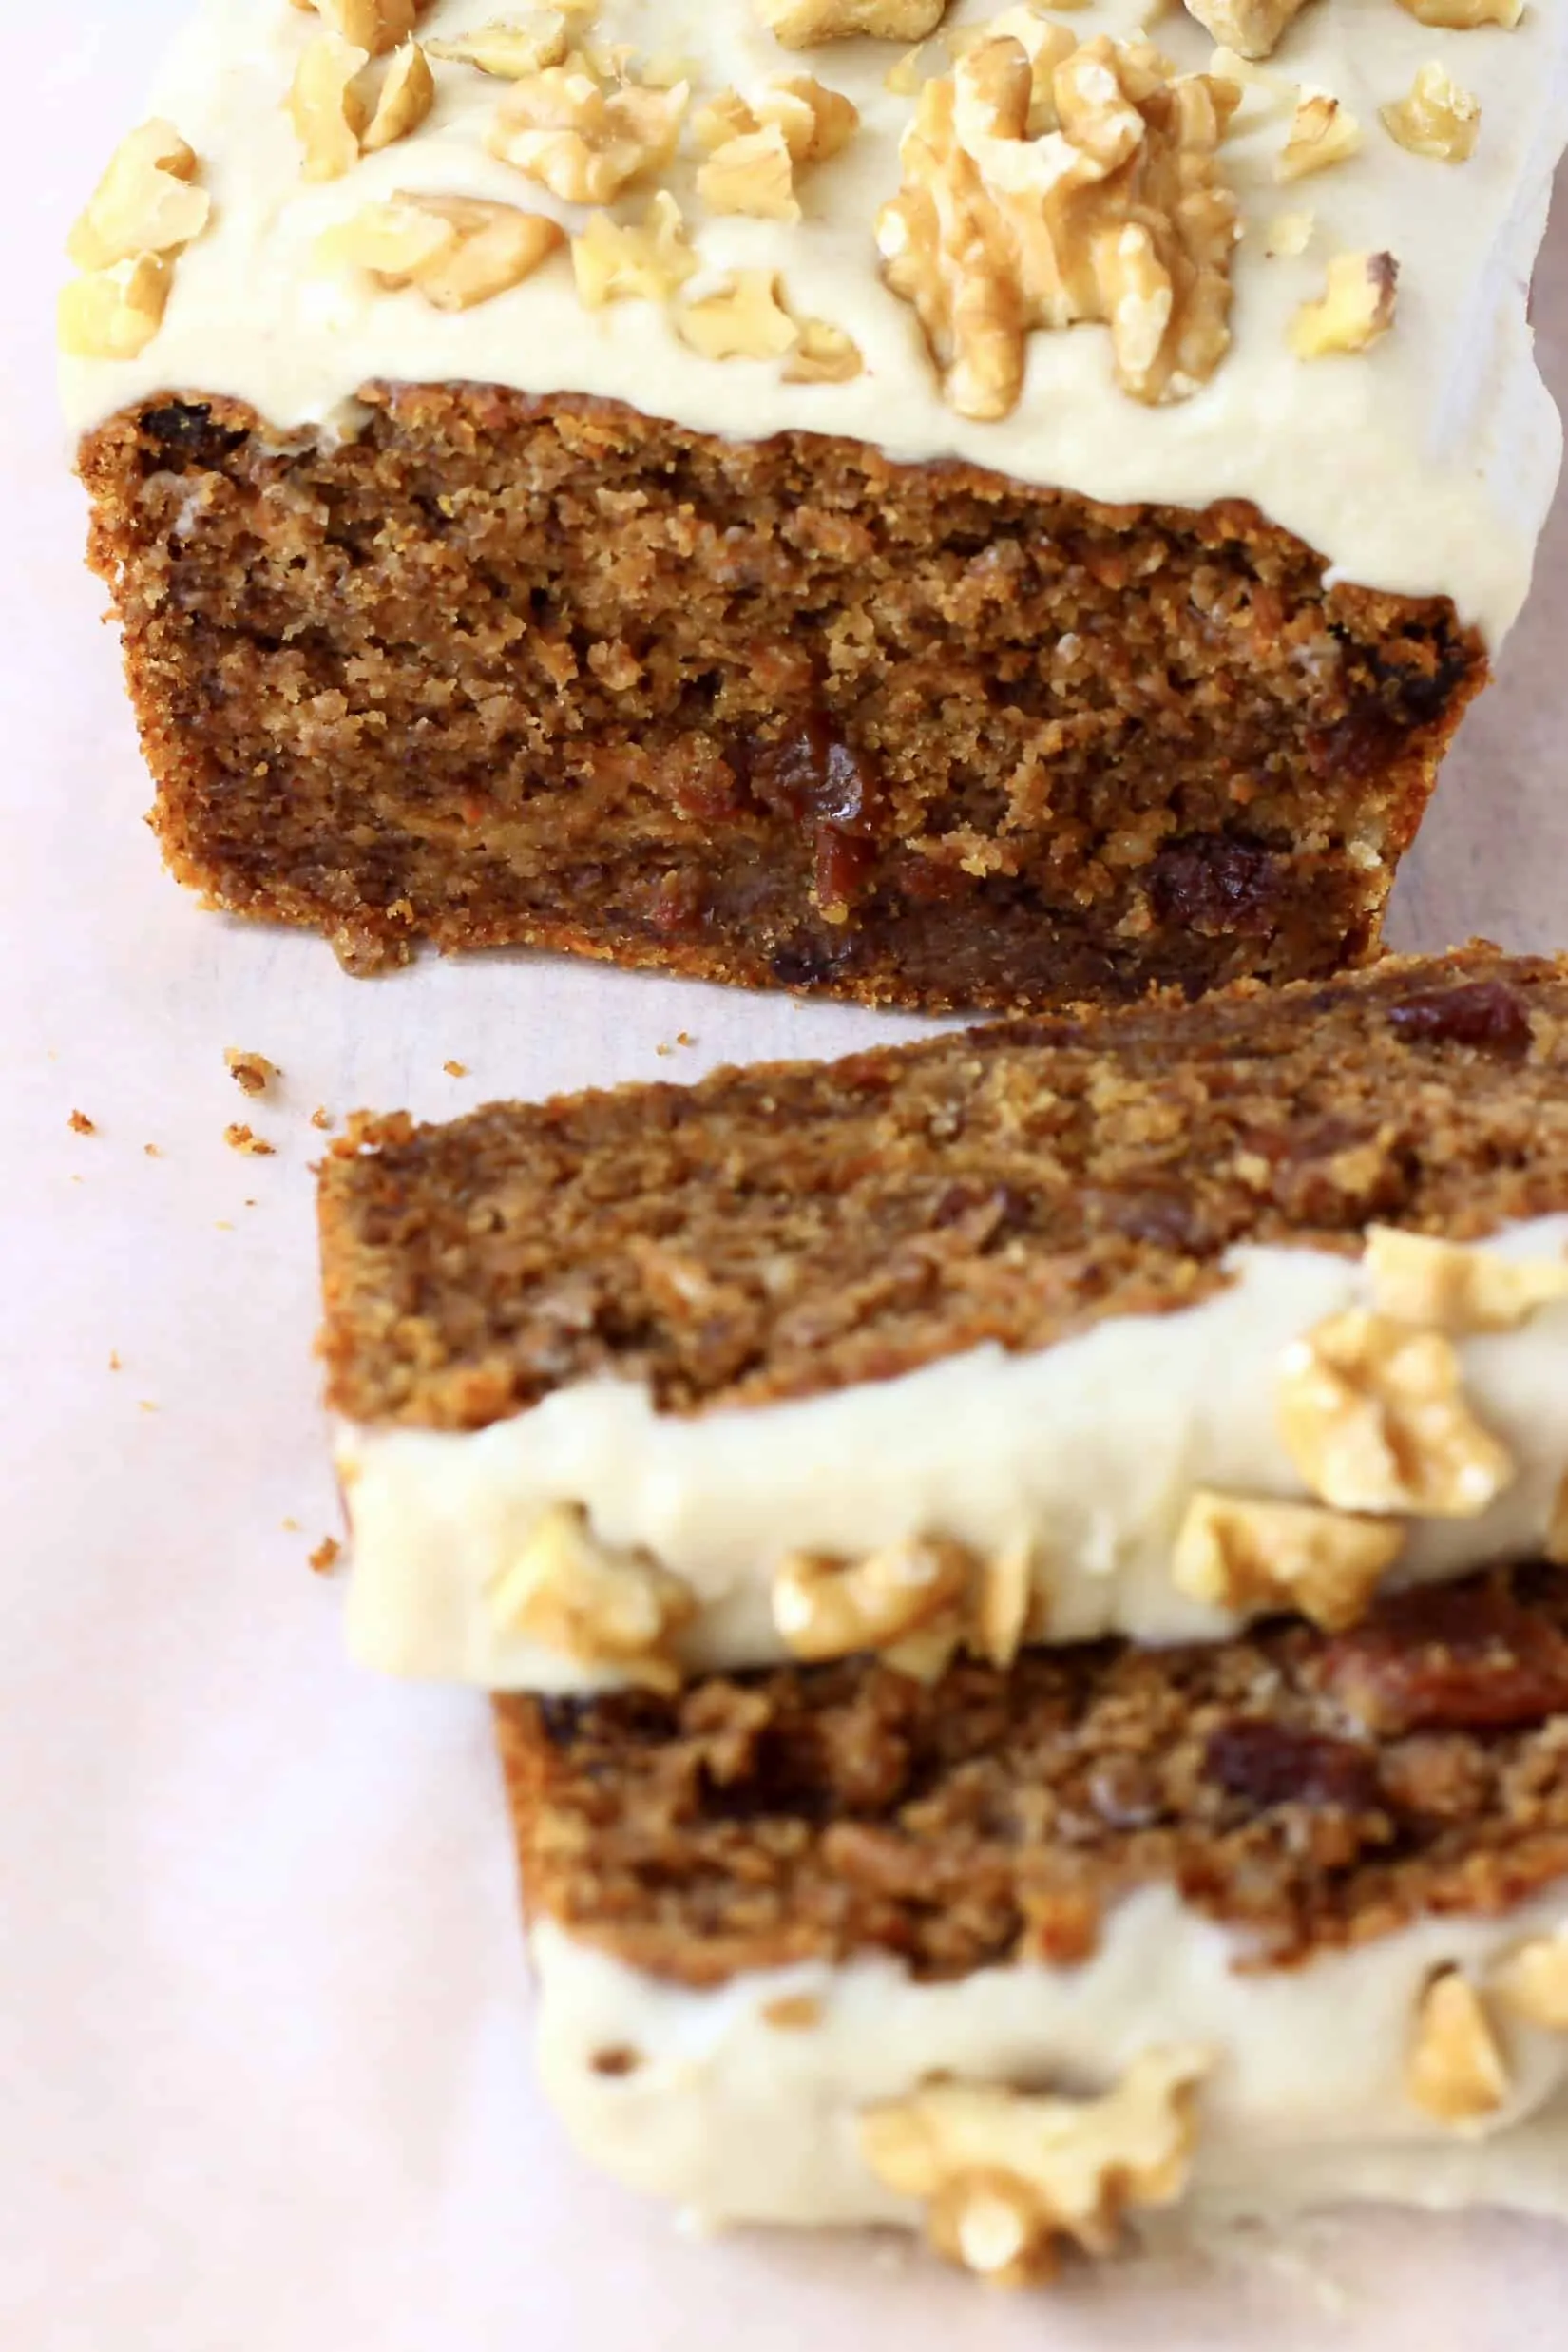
{"points": [[1147, 1322], [1118, 1938], [995, 527]]}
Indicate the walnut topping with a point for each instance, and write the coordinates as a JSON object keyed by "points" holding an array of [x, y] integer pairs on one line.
{"points": [[798, 23], [1252, 28], [824, 354], [1006, 2175], [829, 1608], [614, 261], [407, 95], [582, 140], [1464, 15], [1437, 119], [1417, 1278], [1322, 132], [816, 122], [1455, 2069], [1287, 235], [751, 173], [511, 53], [1374, 1418], [1004, 1606], [572, 1594], [457, 250], [373, 25], [1237, 1554], [145, 202], [743, 319], [115, 314], [1532, 1982], [327, 104], [1048, 183], [1356, 308]]}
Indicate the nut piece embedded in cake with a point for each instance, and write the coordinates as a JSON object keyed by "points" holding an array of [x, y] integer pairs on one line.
{"points": [[829, 1608], [1252, 28], [1464, 15], [572, 1594], [583, 140], [1237, 1554], [1446, 1287], [458, 251], [1357, 307], [798, 23], [617, 262], [1323, 132], [1455, 2070], [1374, 1417], [1532, 1982], [1437, 119], [1006, 2175], [1046, 184]]}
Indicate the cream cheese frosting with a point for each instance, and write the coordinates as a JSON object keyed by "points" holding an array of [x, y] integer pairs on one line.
{"points": [[1086, 1454], [1424, 465], [1305, 2103]]}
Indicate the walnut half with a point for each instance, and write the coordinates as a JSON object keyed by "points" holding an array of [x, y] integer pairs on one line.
{"points": [[1047, 181], [1007, 2175]]}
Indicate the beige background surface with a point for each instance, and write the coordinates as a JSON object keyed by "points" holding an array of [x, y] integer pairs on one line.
{"points": [[264, 2083]]}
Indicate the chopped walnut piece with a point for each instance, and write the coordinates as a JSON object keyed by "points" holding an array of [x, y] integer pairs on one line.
{"points": [[816, 122], [572, 1594], [1532, 1982], [1289, 234], [581, 139], [825, 355], [1002, 1606], [456, 250], [1419, 1278], [115, 314], [1464, 15], [1252, 28], [1048, 183], [1455, 2069], [799, 23], [614, 261], [752, 174], [1437, 119], [828, 1608], [1323, 132], [407, 95], [373, 25], [743, 319], [145, 202], [1006, 2175], [1374, 1417], [1357, 307], [327, 104], [1237, 1554], [511, 53]]}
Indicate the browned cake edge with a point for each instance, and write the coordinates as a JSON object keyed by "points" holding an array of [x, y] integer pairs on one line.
{"points": [[1310, 1792], [794, 1228]]}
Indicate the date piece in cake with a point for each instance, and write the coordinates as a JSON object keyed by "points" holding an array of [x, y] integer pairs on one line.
{"points": [[761, 505], [1151, 1321], [1030, 1958]]}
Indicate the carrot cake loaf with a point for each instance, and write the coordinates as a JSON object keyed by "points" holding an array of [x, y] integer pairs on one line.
{"points": [[937, 504], [1115, 1937], [1148, 1321]]}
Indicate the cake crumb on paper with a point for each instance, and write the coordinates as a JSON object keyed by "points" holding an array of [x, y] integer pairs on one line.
{"points": [[152, 1151], [115, 1364], [146, 1404], [321, 1117], [326, 1556], [242, 1139], [291, 1526], [80, 1124], [253, 1072], [455, 1069]]}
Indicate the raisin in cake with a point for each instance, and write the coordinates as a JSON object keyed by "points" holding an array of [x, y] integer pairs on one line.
{"points": [[1145, 1322], [993, 526]]}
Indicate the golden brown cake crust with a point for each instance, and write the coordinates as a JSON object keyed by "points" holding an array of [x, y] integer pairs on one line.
{"points": [[790, 1229], [510, 670], [1308, 1791]]}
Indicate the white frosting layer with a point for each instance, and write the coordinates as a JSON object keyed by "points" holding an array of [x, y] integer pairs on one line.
{"points": [[1087, 1451], [1424, 465], [743, 2120]]}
